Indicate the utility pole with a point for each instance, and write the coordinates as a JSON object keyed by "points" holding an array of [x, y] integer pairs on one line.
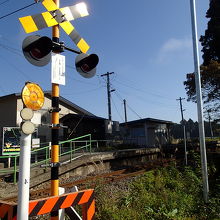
{"points": [[199, 102], [109, 90], [184, 128], [125, 110]]}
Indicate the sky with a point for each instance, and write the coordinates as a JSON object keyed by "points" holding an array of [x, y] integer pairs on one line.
{"points": [[146, 43]]}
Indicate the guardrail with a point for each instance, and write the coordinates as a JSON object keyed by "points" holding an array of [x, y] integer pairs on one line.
{"points": [[42, 155]]}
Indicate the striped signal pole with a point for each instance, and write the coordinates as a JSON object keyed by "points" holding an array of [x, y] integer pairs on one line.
{"points": [[55, 129]]}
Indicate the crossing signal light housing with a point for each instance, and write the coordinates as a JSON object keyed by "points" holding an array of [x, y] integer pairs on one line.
{"points": [[86, 64], [37, 49]]}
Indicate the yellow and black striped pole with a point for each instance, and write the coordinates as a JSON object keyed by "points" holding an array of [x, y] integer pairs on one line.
{"points": [[55, 130]]}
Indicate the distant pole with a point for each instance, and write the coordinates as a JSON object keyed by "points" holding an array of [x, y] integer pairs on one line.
{"points": [[109, 98], [125, 110], [109, 94], [184, 129], [199, 102], [210, 124]]}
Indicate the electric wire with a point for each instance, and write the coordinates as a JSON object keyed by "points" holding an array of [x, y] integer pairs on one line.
{"points": [[81, 81], [12, 64], [134, 112], [20, 9], [25, 76], [140, 90], [11, 49], [76, 126], [117, 110], [81, 92], [119, 96], [1, 3], [164, 105]]}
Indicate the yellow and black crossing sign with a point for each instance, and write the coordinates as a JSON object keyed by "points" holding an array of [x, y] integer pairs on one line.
{"points": [[55, 16]]}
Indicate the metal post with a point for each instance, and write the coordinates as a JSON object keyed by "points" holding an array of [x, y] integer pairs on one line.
{"points": [[109, 98], [210, 124], [55, 131], [199, 102], [90, 143], [24, 177], [71, 151], [184, 129], [124, 101], [47, 156], [97, 144], [185, 149], [9, 162], [15, 170]]}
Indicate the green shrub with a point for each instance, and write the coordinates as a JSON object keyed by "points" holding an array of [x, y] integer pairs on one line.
{"points": [[164, 193]]}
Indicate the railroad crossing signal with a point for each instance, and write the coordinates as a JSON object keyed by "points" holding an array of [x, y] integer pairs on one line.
{"points": [[86, 64], [55, 16], [37, 50]]}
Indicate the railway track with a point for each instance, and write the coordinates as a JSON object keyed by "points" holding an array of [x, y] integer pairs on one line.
{"points": [[91, 181]]}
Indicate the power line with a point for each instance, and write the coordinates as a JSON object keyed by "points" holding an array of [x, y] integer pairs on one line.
{"points": [[134, 112], [81, 81], [20, 9], [4, 2], [74, 129], [117, 110], [144, 91], [11, 49], [165, 105], [15, 67], [118, 95], [81, 92]]}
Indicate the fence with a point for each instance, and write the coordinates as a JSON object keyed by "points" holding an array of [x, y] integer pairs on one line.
{"points": [[42, 155]]}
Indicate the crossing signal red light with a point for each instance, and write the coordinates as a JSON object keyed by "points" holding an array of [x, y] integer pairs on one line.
{"points": [[86, 64], [37, 49]]}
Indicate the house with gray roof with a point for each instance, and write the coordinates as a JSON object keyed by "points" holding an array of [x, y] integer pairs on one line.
{"points": [[146, 132], [11, 105]]}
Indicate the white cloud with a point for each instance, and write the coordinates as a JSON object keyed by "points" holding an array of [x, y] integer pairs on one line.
{"points": [[172, 47], [176, 44]]}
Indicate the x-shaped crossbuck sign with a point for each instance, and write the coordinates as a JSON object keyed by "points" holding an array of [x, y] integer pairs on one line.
{"points": [[55, 16]]}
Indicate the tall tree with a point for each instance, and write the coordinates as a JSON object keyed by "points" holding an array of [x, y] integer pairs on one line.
{"points": [[210, 69], [210, 41]]}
